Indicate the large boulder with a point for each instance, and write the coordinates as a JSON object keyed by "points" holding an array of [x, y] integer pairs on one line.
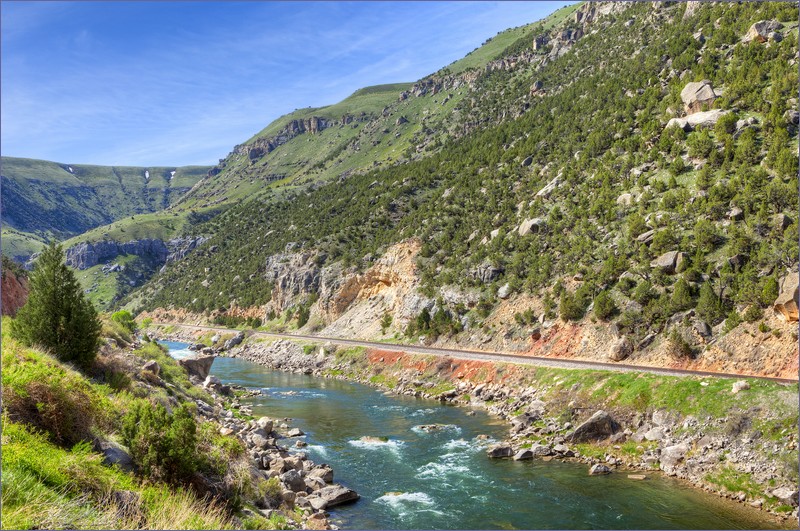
{"points": [[668, 262], [762, 31], [235, 340], [620, 349], [599, 469], [153, 367], [598, 426], [500, 450], [671, 456], [198, 367], [293, 480], [786, 495], [698, 119], [337, 495], [530, 225], [788, 301], [696, 94], [114, 454]]}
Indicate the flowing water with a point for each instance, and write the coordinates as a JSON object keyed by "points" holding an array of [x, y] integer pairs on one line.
{"points": [[412, 478]]}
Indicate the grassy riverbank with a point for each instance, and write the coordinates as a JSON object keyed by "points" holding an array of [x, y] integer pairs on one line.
{"points": [[65, 462]]}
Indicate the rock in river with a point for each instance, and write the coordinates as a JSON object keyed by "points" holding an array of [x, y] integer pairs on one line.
{"points": [[337, 495]]}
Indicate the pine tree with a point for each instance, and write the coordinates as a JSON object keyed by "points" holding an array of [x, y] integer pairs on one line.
{"points": [[57, 316]]}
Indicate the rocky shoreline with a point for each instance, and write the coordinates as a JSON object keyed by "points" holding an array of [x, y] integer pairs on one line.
{"points": [[658, 442], [302, 490]]}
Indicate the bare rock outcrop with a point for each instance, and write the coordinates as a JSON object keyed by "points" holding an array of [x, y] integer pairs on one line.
{"points": [[762, 31], [696, 94], [14, 292], [198, 367], [786, 305], [698, 119]]}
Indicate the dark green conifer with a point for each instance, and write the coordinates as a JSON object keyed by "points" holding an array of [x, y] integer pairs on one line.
{"points": [[57, 316]]}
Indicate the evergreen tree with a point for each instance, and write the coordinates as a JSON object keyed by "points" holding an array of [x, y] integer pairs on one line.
{"points": [[57, 316]]}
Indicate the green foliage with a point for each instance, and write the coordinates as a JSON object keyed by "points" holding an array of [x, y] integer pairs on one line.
{"points": [[40, 392], [770, 291], [234, 321], [604, 305], [709, 308], [681, 296], [733, 320], [163, 445], [386, 322], [124, 318], [442, 322], [526, 317], [606, 146], [753, 313], [677, 346], [571, 307], [57, 316]]}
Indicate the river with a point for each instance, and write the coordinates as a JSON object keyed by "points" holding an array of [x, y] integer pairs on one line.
{"points": [[411, 478]]}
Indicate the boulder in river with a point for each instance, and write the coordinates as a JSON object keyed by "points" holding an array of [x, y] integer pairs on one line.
{"points": [[337, 495], [525, 453], [500, 450], [295, 432]]}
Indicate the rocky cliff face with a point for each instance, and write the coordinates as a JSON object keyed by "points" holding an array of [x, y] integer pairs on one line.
{"points": [[14, 292], [87, 254]]}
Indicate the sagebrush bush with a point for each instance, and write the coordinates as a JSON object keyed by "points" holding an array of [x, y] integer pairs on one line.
{"points": [[162, 445]]}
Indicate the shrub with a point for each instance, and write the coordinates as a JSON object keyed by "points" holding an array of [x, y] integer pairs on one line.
{"points": [[386, 322], [124, 318], [604, 306], [677, 345], [753, 313], [681, 296], [162, 445], [570, 307], [770, 291], [709, 307], [57, 316], [733, 320]]}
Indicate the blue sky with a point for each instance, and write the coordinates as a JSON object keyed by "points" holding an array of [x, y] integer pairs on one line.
{"points": [[175, 83]]}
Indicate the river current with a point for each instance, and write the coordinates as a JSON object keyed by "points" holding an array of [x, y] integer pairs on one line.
{"points": [[410, 477]]}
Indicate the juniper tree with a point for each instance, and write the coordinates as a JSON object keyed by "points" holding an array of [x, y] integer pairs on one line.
{"points": [[57, 316]]}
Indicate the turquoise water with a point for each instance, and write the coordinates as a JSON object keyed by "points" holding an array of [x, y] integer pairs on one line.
{"points": [[443, 479]]}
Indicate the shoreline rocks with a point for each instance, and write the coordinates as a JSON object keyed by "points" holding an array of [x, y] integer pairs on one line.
{"points": [[507, 402]]}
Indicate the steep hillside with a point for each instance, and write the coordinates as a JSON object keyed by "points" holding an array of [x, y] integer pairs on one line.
{"points": [[594, 204], [375, 127], [43, 199], [582, 178]]}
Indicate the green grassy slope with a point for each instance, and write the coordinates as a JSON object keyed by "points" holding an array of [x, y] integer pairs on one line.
{"points": [[375, 139], [48, 199]]}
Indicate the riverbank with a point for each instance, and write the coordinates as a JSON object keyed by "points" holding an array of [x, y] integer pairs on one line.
{"points": [[738, 445]]}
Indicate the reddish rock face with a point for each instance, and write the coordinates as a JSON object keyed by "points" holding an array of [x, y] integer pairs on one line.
{"points": [[14, 293]]}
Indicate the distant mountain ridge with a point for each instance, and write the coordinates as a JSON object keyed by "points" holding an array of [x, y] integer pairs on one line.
{"points": [[54, 200]]}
